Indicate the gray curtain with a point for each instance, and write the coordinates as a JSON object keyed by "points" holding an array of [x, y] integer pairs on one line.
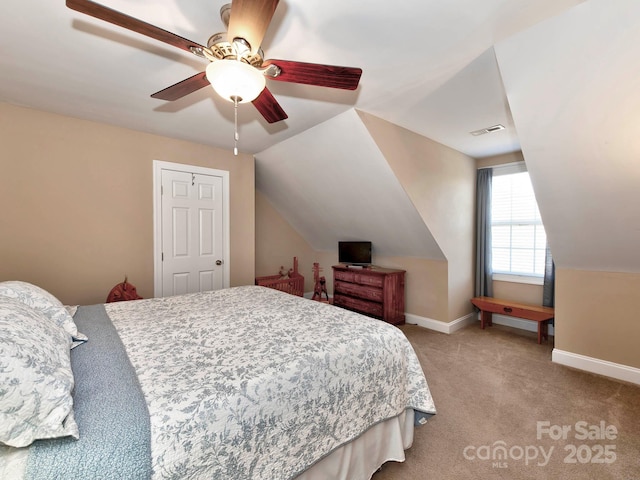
{"points": [[548, 289], [483, 284]]}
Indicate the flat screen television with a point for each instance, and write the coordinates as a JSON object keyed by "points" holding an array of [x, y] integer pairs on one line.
{"points": [[354, 253]]}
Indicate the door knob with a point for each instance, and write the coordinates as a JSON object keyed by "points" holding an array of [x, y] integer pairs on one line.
{"points": [[218, 262]]}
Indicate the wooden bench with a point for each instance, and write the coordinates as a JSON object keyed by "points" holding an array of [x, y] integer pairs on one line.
{"points": [[536, 313]]}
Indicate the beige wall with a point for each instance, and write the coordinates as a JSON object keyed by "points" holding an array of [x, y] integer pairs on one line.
{"points": [[518, 292], [277, 243], [440, 182], [425, 282], [597, 315], [596, 312], [78, 205], [503, 159]]}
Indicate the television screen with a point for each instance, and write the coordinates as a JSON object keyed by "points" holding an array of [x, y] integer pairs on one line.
{"points": [[354, 253]]}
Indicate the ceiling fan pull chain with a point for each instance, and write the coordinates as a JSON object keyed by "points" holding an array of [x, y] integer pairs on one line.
{"points": [[235, 132], [235, 104]]}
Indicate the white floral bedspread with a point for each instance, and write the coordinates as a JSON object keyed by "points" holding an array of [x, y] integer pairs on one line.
{"points": [[253, 383]]}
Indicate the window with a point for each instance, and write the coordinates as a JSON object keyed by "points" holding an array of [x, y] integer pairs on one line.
{"points": [[518, 237]]}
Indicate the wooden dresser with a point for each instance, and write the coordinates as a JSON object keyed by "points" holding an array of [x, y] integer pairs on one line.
{"points": [[373, 291]]}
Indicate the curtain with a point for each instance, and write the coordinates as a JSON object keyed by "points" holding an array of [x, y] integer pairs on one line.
{"points": [[548, 289], [483, 283]]}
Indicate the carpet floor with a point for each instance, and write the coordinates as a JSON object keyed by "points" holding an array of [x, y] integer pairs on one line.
{"points": [[505, 411]]}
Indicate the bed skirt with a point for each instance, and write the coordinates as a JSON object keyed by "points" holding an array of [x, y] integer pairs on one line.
{"points": [[361, 458]]}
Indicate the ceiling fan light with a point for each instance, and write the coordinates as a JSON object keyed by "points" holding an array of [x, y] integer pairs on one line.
{"points": [[232, 78]]}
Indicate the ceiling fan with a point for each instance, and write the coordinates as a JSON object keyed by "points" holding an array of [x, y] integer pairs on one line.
{"points": [[237, 70]]}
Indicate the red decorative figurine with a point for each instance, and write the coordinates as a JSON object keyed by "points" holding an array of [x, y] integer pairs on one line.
{"points": [[320, 285]]}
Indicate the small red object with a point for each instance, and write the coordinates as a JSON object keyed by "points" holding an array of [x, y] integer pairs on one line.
{"points": [[122, 292], [321, 283]]}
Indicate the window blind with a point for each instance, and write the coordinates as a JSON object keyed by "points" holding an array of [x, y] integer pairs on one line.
{"points": [[518, 236]]}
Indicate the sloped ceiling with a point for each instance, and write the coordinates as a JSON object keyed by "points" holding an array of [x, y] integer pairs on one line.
{"points": [[344, 190], [570, 70], [577, 112], [59, 60], [572, 94]]}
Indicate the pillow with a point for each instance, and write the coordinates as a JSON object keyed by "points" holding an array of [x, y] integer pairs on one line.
{"points": [[46, 303], [35, 377]]}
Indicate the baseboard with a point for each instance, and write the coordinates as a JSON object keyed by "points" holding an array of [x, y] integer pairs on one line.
{"points": [[515, 322], [574, 360], [595, 365], [437, 325], [451, 327], [429, 323], [462, 322]]}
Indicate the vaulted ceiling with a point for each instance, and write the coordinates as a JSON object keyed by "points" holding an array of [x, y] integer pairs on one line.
{"points": [[427, 66], [560, 75], [346, 191], [577, 112], [570, 86]]}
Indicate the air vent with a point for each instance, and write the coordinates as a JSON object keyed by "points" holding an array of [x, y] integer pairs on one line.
{"points": [[491, 129]]}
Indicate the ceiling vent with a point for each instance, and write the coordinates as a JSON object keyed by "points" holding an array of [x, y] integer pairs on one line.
{"points": [[491, 129]]}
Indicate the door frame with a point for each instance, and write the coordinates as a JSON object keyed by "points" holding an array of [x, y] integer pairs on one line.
{"points": [[158, 166]]}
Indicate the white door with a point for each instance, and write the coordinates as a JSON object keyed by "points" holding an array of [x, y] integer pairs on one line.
{"points": [[192, 258]]}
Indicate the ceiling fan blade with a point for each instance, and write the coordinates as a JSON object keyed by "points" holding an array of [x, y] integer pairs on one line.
{"points": [[315, 74], [112, 16], [249, 19], [269, 107], [183, 88]]}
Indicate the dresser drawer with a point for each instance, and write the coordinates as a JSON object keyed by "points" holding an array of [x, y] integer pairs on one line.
{"points": [[371, 280], [368, 308], [360, 278], [344, 276], [365, 292]]}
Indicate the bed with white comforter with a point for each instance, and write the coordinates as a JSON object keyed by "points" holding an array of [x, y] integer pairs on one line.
{"points": [[240, 383]]}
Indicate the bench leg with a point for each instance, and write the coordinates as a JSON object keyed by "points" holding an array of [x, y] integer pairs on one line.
{"points": [[543, 330], [486, 319], [540, 332]]}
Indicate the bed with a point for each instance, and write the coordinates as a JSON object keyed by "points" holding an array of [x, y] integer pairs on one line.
{"points": [[241, 383]]}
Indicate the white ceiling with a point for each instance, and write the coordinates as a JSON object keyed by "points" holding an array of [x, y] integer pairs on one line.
{"points": [[336, 195], [577, 111], [563, 73], [571, 84], [428, 66]]}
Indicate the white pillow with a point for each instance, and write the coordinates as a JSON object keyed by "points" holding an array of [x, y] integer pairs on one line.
{"points": [[36, 380], [46, 303]]}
